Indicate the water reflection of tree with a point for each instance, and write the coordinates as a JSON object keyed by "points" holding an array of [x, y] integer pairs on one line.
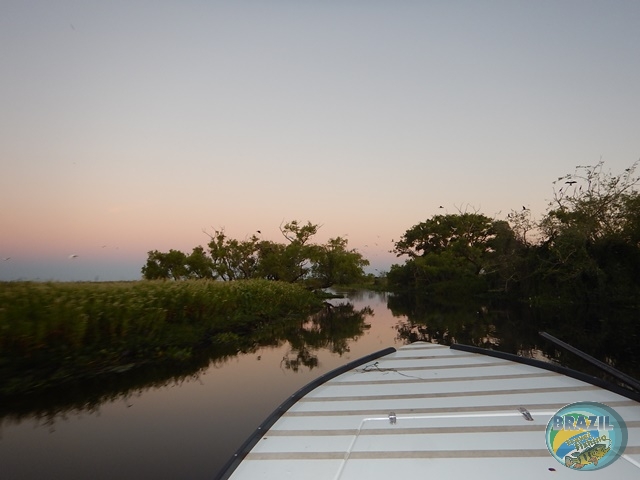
{"points": [[360, 295], [467, 321], [89, 394], [608, 334], [332, 329]]}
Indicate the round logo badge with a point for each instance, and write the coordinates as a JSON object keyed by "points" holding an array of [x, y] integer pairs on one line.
{"points": [[586, 436]]}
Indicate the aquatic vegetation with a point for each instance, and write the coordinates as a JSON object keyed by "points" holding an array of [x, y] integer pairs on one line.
{"points": [[54, 332]]}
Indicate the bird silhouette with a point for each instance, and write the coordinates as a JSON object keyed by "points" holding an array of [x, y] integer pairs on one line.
{"points": [[73, 255], [570, 182]]}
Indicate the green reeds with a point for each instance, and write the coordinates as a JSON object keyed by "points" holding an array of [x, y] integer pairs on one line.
{"points": [[93, 327]]}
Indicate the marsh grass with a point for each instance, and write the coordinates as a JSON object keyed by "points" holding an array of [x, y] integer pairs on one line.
{"points": [[54, 332]]}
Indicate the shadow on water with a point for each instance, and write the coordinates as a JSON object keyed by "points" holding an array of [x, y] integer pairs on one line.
{"points": [[332, 329], [225, 391], [609, 334]]}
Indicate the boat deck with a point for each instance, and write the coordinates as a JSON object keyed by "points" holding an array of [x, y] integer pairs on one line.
{"points": [[427, 411]]}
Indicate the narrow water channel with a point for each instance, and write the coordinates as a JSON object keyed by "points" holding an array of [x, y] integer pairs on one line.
{"points": [[185, 429]]}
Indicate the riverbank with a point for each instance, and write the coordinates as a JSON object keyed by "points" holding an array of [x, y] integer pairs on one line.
{"points": [[52, 333]]}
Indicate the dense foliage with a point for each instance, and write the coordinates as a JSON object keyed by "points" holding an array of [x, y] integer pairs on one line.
{"points": [[297, 260], [585, 249], [54, 332]]}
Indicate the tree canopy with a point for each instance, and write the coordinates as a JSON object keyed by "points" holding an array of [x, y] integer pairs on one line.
{"points": [[586, 246], [468, 236], [451, 253], [297, 259], [589, 237]]}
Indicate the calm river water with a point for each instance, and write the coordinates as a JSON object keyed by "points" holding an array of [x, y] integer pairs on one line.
{"points": [[187, 428]]}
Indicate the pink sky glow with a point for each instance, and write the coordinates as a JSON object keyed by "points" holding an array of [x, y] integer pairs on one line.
{"points": [[138, 125]]}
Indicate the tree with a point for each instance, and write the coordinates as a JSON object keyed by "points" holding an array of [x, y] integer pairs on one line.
{"points": [[336, 264], [585, 249], [591, 235], [454, 252], [298, 255], [199, 264], [592, 203], [232, 259], [319, 266], [171, 265], [631, 229], [524, 227], [467, 235], [296, 233], [155, 268], [297, 260]]}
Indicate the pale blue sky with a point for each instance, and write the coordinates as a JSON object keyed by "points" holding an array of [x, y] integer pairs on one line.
{"points": [[129, 126]]}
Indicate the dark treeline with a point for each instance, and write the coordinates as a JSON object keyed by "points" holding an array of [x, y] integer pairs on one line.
{"points": [[296, 260], [585, 250]]}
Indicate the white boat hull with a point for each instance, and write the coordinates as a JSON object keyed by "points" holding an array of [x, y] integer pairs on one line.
{"points": [[428, 411]]}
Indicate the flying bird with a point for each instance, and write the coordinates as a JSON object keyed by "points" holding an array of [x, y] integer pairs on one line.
{"points": [[6, 258], [440, 206], [570, 182], [73, 255]]}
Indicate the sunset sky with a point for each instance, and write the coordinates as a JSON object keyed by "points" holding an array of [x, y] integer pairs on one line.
{"points": [[129, 126]]}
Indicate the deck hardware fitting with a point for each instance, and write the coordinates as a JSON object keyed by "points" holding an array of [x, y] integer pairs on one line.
{"points": [[525, 413]]}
